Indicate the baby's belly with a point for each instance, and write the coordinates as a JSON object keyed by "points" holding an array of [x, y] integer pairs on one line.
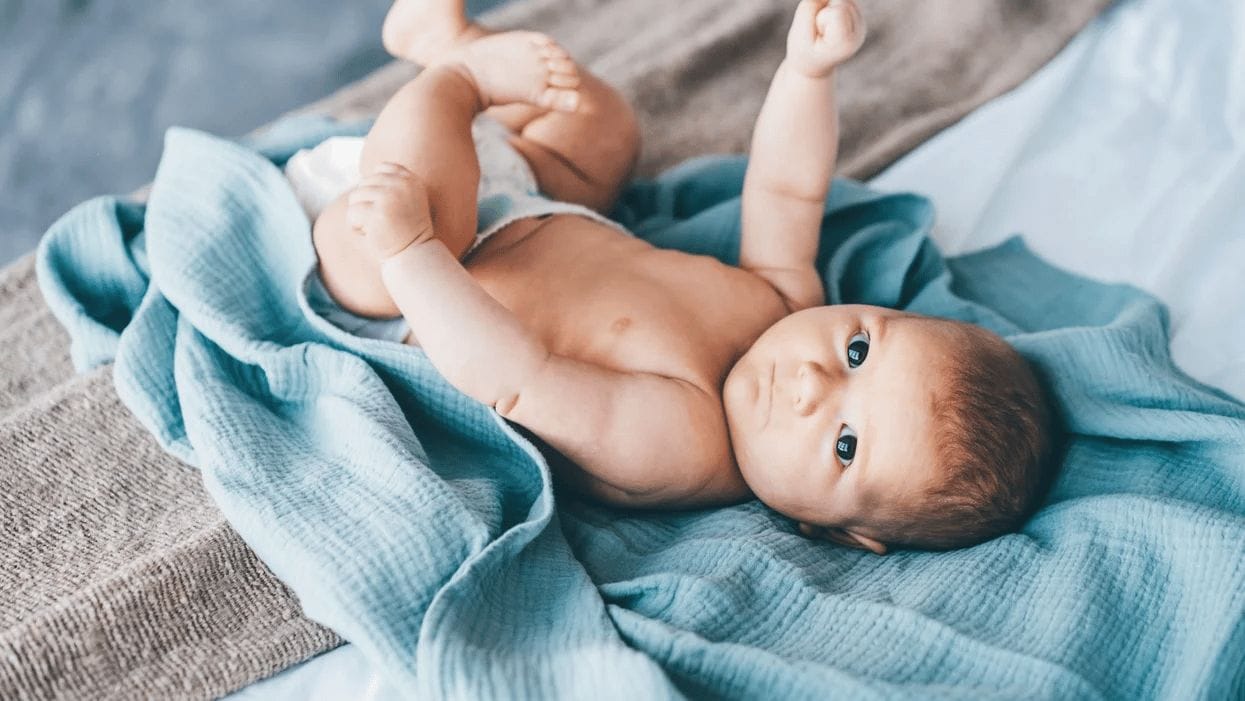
{"points": [[595, 294]]}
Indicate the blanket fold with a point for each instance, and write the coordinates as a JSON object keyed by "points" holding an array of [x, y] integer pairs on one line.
{"points": [[420, 526]]}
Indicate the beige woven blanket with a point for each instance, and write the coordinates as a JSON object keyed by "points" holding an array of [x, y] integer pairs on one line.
{"points": [[118, 576]]}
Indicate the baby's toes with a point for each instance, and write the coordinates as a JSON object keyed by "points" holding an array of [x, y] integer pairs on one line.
{"points": [[546, 45], [553, 54], [563, 73], [559, 99], [563, 77]]}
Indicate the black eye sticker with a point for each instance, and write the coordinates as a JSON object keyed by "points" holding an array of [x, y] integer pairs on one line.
{"points": [[857, 350], [845, 446]]}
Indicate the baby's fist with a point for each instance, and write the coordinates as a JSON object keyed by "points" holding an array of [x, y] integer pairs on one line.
{"points": [[824, 34], [389, 208]]}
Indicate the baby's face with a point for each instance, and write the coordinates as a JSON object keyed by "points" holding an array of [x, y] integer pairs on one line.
{"points": [[831, 411]]}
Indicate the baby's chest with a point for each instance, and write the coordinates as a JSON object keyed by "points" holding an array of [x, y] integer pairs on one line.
{"points": [[669, 314], [643, 334]]}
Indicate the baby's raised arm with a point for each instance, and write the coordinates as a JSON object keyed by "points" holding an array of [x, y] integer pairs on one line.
{"points": [[794, 146]]}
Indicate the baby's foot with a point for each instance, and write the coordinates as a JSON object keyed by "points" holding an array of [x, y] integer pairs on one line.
{"points": [[824, 34], [526, 67], [424, 31]]}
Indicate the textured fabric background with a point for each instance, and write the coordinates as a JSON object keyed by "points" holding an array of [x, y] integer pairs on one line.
{"points": [[425, 530], [118, 574]]}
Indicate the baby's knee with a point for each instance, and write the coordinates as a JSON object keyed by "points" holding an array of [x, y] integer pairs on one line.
{"points": [[623, 130]]}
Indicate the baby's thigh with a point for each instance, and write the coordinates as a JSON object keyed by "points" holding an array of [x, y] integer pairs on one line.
{"points": [[348, 270], [584, 157]]}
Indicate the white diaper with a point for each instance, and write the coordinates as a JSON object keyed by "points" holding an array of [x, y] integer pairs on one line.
{"points": [[507, 193]]}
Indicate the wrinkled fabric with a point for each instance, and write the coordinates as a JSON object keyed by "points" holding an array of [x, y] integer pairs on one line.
{"points": [[421, 527]]}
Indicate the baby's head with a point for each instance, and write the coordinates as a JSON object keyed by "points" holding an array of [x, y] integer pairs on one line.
{"points": [[875, 428]]}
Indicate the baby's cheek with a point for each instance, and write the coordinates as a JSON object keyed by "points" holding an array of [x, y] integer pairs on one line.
{"points": [[827, 450], [753, 460]]}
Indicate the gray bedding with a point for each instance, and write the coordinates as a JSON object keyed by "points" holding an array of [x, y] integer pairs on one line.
{"points": [[120, 579]]}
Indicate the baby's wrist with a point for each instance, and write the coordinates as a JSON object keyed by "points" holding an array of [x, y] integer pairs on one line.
{"points": [[424, 236], [802, 69], [414, 246], [394, 253]]}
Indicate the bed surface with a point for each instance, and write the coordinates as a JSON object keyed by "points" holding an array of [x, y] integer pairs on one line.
{"points": [[1119, 160], [1122, 160]]}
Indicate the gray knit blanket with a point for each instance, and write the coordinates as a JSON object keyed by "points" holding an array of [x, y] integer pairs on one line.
{"points": [[118, 576]]}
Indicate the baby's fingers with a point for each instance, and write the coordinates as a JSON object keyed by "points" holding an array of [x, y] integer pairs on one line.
{"points": [[387, 169], [391, 168], [840, 25], [383, 181], [358, 214], [804, 25], [391, 176], [362, 194]]}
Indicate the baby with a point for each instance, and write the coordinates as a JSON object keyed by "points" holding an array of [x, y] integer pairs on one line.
{"points": [[666, 379]]}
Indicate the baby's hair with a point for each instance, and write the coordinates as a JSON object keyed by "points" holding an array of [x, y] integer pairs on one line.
{"points": [[995, 441]]}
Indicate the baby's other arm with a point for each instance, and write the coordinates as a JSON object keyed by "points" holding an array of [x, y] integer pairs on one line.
{"points": [[472, 340], [640, 439], [793, 152]]}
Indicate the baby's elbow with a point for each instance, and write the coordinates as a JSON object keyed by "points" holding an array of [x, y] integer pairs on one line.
{"points": [[695, 481], [701, 472], [504, 391], [506, 404], [714, 482]]}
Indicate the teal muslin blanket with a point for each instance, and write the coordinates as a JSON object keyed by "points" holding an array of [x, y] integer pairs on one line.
{"points": [[424, 529]]}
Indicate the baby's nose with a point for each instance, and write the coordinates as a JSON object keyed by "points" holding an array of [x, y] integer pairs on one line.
{"points": [[812, 387]]}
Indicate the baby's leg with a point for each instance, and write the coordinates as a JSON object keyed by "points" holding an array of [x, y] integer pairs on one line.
{"points": [[583, 156], [424, 31], [426, 127]]}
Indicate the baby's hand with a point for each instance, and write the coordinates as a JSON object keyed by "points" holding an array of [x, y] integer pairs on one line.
{"points": [[823, 35], [389, 208]]}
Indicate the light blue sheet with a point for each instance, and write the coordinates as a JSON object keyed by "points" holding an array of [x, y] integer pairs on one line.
{"points": [[424, 530]]}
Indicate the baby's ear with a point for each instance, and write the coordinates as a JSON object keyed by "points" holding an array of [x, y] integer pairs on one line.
{"points": [[843, 537]]}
